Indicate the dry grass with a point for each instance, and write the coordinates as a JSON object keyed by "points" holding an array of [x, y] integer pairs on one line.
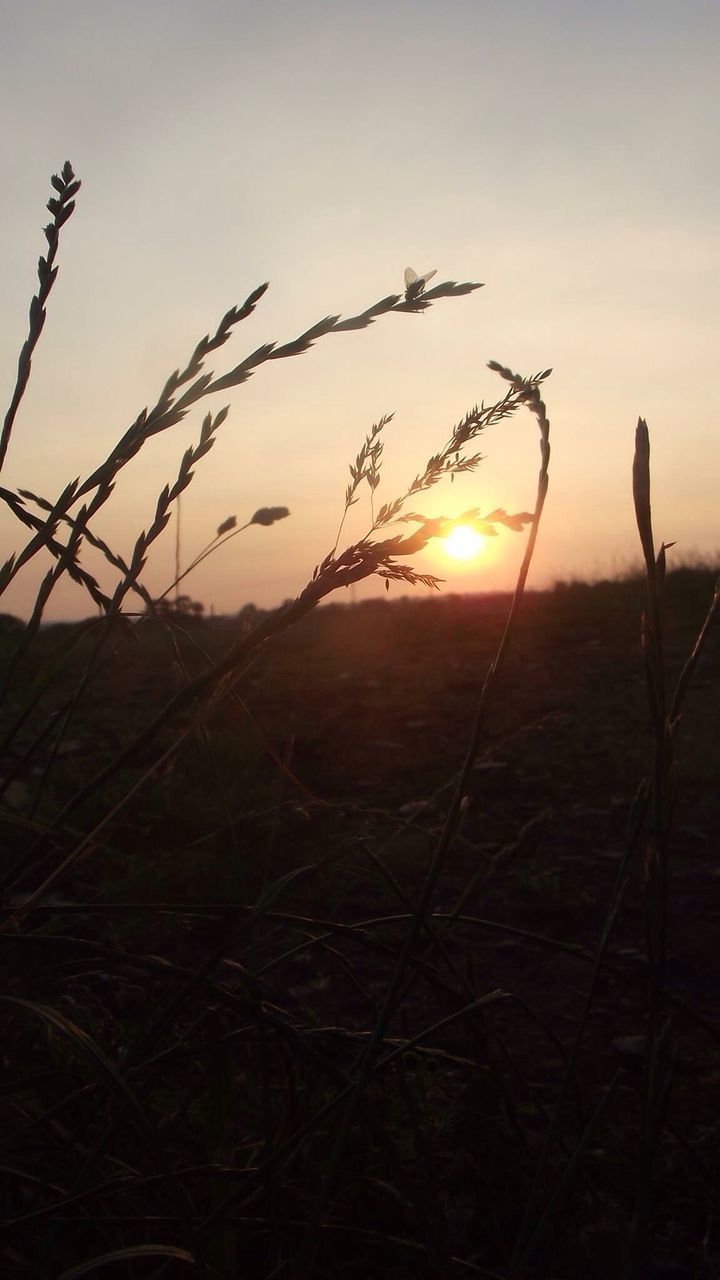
{"points": [[245, 1030]]}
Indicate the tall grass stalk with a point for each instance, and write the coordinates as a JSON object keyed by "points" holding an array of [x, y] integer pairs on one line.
{"points": [[665, 713], [530, 394]]}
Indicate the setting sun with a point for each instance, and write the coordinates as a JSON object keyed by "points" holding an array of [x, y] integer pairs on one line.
{"points": [[464, 543]]}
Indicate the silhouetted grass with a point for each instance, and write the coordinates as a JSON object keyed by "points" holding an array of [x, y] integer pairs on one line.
{"points": [[318, 961]]}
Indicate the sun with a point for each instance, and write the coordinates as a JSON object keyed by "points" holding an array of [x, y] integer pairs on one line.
{"points": [[464, 542]]}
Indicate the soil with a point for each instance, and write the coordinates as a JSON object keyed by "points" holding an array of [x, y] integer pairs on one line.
{"points": [[341, 751]]}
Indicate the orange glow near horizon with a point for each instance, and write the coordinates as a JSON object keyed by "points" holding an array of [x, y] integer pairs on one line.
{"points": [[464, 543]]}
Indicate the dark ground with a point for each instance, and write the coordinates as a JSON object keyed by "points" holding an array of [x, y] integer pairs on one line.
{"points": [[350, 730]]}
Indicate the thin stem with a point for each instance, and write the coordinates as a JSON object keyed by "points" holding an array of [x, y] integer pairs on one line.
{"points": [[178, 572], [212, 546], [450, 826], [62, 208]]}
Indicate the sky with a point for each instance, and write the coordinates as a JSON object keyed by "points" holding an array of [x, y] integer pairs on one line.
{"points": [[564, 154]]}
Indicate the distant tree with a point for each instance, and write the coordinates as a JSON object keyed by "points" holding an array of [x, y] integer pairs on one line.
{"points": [[248, 616], [180, 607], [8, 622]]}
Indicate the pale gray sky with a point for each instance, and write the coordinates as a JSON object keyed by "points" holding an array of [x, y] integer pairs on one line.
{"points": [[563, 153]]}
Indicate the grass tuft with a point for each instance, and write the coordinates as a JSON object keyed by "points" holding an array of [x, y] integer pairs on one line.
{"points": [[355, 941]]}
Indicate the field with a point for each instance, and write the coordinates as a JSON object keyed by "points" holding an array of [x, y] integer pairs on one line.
{"points": [[357, 941], [335, 760]]}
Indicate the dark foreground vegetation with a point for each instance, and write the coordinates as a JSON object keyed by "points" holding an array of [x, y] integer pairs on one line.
{"points": [[202, 987], [368, 942]]}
